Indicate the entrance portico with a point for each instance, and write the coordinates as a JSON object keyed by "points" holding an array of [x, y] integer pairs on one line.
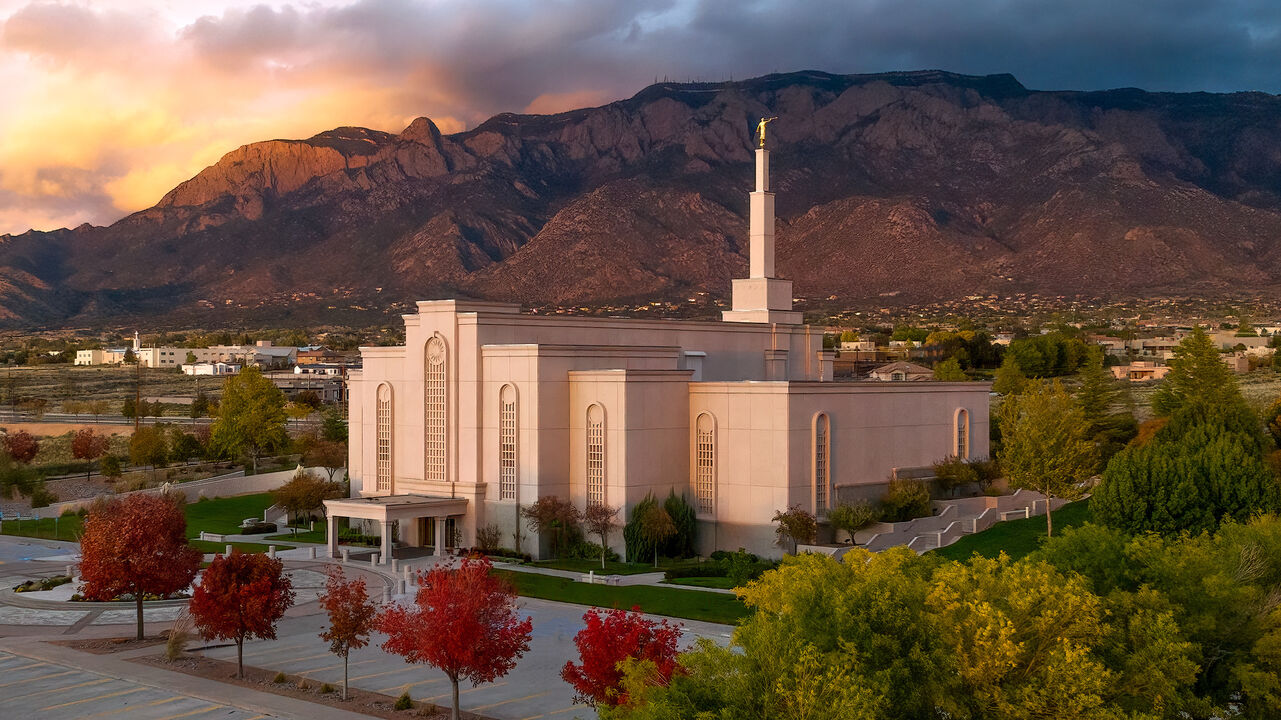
{"points": [[390, 509]]}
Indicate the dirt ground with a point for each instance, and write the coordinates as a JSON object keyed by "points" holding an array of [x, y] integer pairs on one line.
{"points": [[51, 429]]}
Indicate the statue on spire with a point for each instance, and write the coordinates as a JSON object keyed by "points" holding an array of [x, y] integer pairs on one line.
{"points": [[760, 128]]}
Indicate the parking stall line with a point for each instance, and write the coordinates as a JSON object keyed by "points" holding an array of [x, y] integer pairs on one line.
{"points": [[494, 705], [379, 674], [134, 708], [197, 711], [554, 712], [304, 673], [118, 693], [40, 677], [468, 690], [62, 689], [410, 685]]}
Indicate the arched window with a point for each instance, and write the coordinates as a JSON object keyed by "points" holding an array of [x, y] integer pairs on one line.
{"points": [[822, 463], [383, 421], [962, 434], [705, 463], [595, 455], [507, 443], [435, 441]]}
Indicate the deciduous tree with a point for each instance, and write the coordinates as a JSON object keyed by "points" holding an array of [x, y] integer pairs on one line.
{"points": [[610, 637], [655, 525], [328, 454], [136, 546], [550, 514], [601, 520], [793, 526], [463, 622], [88, 445], [351, 616], [251, 417], [305, 492], [22, 446], [1043, 444], [950, 370], [148, 446], [241, 596]]}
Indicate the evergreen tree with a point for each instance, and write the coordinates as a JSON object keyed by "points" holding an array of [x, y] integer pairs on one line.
{"points": [[1196, 373], [1098, 397], [1009, 378]]}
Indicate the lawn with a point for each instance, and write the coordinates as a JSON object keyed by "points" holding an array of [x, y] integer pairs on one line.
{"points": [[611, 568], [672, 602], [69, 528], [1017, 538], [222, 516], [251, 548], [722, 583], [304, 536]]}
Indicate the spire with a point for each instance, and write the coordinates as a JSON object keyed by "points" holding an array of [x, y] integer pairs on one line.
{"points": [[761, 297]]}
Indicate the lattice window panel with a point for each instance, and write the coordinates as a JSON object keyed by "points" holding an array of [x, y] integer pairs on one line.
{"points": [[435, 439], [821, 469], [384, 429], [963, 434], [507, 445], [705, 465], [595, 456]]}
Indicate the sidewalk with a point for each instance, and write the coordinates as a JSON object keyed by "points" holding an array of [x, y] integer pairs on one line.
{"points": [[167, 682]]}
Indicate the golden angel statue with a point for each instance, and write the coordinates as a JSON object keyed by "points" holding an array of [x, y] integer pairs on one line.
{"points": [[760, 128]]}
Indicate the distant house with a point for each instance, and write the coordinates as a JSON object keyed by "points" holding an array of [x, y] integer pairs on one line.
{"points": [[210, 368], [858, 346], [1140, 371], [901, 372], [1239, 362]]}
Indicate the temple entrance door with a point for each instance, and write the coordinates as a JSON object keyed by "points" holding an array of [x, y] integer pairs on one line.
{"points": [[427, 532], [451, 533]]}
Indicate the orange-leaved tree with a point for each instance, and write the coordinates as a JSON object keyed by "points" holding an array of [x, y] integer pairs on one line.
{"points": [[136, 546], [463, 622], [351, 616], [606, 640], [22, 446], [241, 596], [88, 445]]}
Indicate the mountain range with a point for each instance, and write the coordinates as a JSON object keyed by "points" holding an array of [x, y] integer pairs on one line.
{"points": [[918, 185]]}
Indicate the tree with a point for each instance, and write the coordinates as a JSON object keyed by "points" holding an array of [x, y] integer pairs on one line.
{"points": [[1204, 466], [1009, 379], [463, 622], [191, 358], [111, 467], [130, 357], [655, 526], [559, 518], [148, 446], [305, 492], [1196, 372], [251, 417], [607, 639], [852, 518], [200, 405], [685, 519], [308, 398], [601, 520], [1108, 426], [793, 526], [351, 616], [136, 546], [88, 445], [22, 446], [333, 428], [97, 408], [328, 454], [241, 596], [953, 473], [1043, 444], [129, 408], [183, 445], [950, 371]]}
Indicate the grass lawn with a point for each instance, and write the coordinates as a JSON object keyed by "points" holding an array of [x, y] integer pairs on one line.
{"points": [[723, 583], [611, 568], [213, 547], [222, 516], [68, 528], [304, 536], [672, 602], [1017, 538]]}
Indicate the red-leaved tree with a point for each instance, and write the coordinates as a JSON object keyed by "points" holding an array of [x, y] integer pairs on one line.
{"points": [[241, 596], [21, 446], [136, 546], [351, 616], [609, 638], [463, 622], [88, 445]]}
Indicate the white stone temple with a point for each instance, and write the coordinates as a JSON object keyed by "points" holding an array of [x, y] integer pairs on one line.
{"points": [[485, 409]]}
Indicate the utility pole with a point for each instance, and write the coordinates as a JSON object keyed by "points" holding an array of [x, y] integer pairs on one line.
{"points": [[137, 390]]}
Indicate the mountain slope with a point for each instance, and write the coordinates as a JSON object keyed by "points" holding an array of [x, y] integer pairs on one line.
{"points": [[930, 185]]}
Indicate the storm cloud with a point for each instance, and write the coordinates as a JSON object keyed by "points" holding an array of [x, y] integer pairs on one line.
{"points": [[109, 105]]}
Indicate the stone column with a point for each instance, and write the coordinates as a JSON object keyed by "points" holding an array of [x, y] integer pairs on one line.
{"points": [[387, 541], [440, 537], [332, 535]]}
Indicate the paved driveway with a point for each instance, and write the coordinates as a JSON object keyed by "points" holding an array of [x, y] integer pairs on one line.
{"points": [[51, 691], [532, 690]]}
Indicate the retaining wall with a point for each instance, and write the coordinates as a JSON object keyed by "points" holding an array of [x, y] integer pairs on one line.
{"points": [[236, 483]]}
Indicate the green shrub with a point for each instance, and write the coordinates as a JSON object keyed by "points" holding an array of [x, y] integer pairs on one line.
{"points": [[954, 473], [586, 550], [404, 702], [638, 548], [280, 678], [905, 500], [711, 568], [852, 518], [326, 689], [502, 552], [488, 538], [681, 544]]}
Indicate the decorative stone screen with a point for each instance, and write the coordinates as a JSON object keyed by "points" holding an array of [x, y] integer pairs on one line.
{"points": [[435, 440], [705, 464], [822, 464], [595, 455], [507, 443], [384, 423], [963, 433]]}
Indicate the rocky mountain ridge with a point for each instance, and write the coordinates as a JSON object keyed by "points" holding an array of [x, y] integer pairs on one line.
{"points": [[925, 185]]}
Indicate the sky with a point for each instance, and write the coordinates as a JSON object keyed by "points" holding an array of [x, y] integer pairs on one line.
{"points": [[106, 105]]}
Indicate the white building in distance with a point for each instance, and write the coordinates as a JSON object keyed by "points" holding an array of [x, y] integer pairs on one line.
{"points": [[484, 410]]}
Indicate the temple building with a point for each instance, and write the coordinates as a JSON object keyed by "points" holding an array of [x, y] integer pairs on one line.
{"points": [[485, 409]]}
